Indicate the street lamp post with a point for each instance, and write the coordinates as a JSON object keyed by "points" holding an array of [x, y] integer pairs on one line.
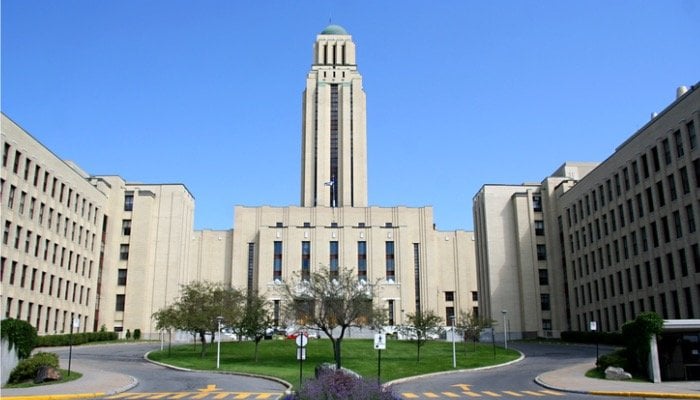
{"points": [[454, 353], [505, 329], [219, 319]]}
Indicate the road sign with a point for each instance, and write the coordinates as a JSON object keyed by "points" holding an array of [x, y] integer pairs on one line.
{"points": [[76, 323], [302, 340], [593, 325], [380, 341], [301, 353]]}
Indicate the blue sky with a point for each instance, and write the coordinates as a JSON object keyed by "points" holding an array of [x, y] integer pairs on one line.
{"points": [[459, 93]]}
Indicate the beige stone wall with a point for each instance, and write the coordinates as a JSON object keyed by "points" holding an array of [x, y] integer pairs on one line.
{"points": [[159, 245], [443, 257], [52, 219]]}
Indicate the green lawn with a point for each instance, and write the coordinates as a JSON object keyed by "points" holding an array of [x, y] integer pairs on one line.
{"points": [[64, 378], [277, 358]]}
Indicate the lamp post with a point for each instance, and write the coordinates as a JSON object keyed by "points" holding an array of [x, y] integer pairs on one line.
{"points": [[454, 353], [505, 329], [219, 319]]}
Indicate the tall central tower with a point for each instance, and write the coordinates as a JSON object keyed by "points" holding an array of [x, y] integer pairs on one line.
{"points": [[334, 137]]}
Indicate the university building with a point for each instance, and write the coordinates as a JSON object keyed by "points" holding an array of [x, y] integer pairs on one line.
{"points": [[598, 242], [111, 253]]}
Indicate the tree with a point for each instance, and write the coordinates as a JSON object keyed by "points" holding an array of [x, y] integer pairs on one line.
{"points": [[471, 326], [167, 319], [421, 326], [198, 307], [256, 318], [21, 336], [637, 335], [332, 301]]}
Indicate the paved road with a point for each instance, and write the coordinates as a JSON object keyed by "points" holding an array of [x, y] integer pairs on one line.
{"points": [[513, 381], [128, 359]]}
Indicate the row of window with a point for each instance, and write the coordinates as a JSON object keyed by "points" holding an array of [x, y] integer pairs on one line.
{"points": [[654, 196], [54, 319], [631, 245], [43, 248], [682, 306], [61, 224], [40, 281], [604, 226], [333, 225], [333, 265], [633, 173], [629, 280], [25, 168]]}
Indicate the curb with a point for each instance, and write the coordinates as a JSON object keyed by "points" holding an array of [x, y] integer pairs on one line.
{"points": [[410, 378], [269, 378], [661, 395]]}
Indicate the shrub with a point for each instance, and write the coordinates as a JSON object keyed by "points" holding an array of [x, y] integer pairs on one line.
{"points": [[21, 335], [615, 359], [27, 368], [338, 385], [137, 334], [78, 338], [128, 334]]}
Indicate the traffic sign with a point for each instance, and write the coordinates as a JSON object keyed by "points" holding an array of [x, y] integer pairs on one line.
{"points": [[302, 340], [380, 341]]}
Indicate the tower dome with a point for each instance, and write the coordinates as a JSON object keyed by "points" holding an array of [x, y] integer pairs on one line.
{"points": [[334, 30]]}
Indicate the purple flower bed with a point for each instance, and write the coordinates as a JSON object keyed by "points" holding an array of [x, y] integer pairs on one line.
{"points": [[336, 385]]}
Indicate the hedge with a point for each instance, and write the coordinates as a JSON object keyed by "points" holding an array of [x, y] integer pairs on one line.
{"points": [[609, 338], [78, 338]]}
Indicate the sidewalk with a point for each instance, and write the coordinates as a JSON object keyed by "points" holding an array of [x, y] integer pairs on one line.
{"points": [[573, 379], [95, 382]]}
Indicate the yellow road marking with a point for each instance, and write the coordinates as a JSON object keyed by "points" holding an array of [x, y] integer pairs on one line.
{"points": [[409, 395], [516, 394], [531, 393], [431, 395], [450, 394], [489, 393], [180, 395], [463, 386], [552, 392]]}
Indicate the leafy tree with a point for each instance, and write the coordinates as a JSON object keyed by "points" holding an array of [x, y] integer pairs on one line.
{"points": [[332, 301], [637, 335], [198, 307], [20, 334], [256, 318], [471, 325], [167, 319], [421, 325]]}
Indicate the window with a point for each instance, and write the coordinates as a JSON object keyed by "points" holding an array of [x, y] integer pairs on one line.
{"points": [[126, 227], [128, 201], [390, 311], [539, 228], [690, 218], [655, 158], [475, 296], [362, 260], [277, 261], [121, 277], [333, 259], [124, 252], [635, 172], [449, 315], [692, 139], [544, 277], [547, 324], [685, 182], [672, 187], [544, 302], [537, 202], [389, 257], [449, 296], [541, 252], [660, 193], [305, 260], [667, 151], [677, 224], [120, 302], [679, 143]]}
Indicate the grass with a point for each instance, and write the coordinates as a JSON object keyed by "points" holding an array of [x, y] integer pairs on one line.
{"points": [[277, 358], [64, 378]]}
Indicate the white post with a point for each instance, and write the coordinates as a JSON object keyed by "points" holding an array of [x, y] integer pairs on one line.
{"points": [[454, 353], [218, 344], [505, 329]]}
